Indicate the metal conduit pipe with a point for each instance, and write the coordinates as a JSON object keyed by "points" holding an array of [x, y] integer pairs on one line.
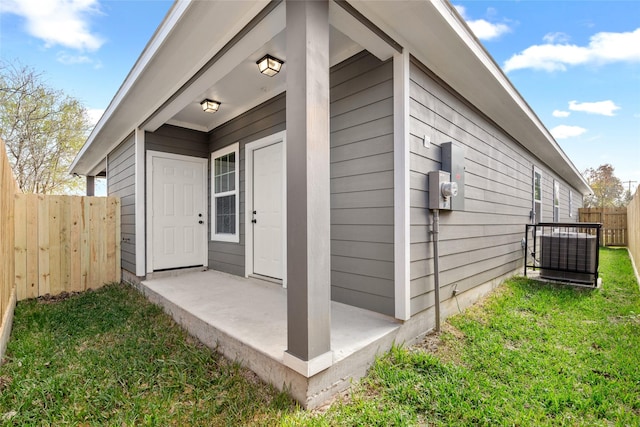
{"points": [[436, 267]]}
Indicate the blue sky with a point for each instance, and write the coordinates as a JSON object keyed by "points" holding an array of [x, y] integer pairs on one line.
{"points": [[577, 63]]}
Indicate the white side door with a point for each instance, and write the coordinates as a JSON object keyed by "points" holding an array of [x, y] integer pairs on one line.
{"points": [[178, 202], [267, 217]]}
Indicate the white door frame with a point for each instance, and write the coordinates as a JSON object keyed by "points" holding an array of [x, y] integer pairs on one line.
{"points": [[248, 191], [205, 215]]}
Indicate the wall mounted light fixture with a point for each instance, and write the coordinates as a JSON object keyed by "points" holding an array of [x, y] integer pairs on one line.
{"points": [[269, 66], [209, 106]]}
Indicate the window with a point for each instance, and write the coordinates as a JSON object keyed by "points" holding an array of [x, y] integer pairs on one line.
{"points": [[225, 199], [537, 196], [570, 203], [556, 201]]}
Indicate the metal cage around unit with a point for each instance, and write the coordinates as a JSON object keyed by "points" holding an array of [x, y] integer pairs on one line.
{"points": [[563, 252]]}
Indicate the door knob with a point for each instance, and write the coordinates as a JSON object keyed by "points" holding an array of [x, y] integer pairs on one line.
{"points": [[200, 222]]}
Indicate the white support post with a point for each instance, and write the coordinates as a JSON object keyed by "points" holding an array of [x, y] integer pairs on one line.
{"points": [[140, 201], [402, 220]]}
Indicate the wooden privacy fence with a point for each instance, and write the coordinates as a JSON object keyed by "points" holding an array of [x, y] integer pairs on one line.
{"points": [[8, 188], [614, 224], [633, 220], [65, 243]]}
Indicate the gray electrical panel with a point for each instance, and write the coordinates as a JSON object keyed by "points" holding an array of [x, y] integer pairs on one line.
{"points": [[453, 162], [441, 190]]}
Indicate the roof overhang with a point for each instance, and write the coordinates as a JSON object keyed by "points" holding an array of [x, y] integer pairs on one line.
{"points": [[168, 78], [179, 48], [438, 36]]}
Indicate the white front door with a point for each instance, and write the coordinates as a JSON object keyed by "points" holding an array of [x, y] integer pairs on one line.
{"points": [[178, 198], [267, 217]]}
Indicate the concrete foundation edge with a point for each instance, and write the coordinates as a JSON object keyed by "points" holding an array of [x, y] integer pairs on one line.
{"points": [[314, 391]]}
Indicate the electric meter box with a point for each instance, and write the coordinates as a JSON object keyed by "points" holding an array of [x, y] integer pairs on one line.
{"points": [[453, 162], [441, 190]]}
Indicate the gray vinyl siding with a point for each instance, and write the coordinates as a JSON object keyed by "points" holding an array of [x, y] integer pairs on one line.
{"points": [[361, 181], [177, 140], [362, 269], [121, 183], [483, 241], [263, 120]]}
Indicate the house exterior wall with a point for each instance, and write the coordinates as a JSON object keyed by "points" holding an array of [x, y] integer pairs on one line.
{"points": [[361, 180], [483, 241], [477, 244], [263, 120], [177, 140], [121, 183], [362, 267]]}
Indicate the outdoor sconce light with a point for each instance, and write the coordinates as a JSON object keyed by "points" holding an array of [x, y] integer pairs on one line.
{"points": [[269, 66], [209, 106]]}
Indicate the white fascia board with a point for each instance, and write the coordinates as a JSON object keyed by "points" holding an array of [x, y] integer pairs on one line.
{"points": [[161, 33], [453, 18], [156, 76], [423, 27]]}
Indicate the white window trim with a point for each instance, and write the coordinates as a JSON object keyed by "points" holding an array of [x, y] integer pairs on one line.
{"points": [[556, 201], [234, 238], [570, 204], [533, 193]]}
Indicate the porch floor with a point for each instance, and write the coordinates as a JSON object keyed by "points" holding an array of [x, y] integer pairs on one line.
{"points": [[254, 312]]}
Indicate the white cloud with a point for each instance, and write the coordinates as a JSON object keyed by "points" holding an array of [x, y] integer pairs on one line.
{"points": [[559, 113], [483, 29], [58, 22], [604, 108], [602, 48], [564, 131], [94, 115], [68, 59], [557, 37]]}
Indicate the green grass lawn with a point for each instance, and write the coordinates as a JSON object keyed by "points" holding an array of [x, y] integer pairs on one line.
{"points": [[111, 358], [530, 354]]}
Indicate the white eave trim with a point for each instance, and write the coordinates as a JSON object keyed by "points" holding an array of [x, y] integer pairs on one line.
{"points": [[458, 23], [173, 16], [380, 13]]}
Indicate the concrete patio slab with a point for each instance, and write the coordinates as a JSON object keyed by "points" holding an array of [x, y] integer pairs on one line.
{"points": [[246, 320]]}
